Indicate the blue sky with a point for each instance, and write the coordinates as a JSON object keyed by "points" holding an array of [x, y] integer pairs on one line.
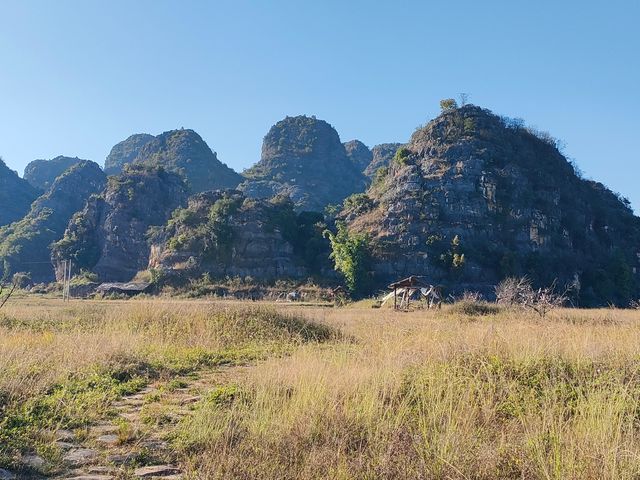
{"points": [[76, 77]]}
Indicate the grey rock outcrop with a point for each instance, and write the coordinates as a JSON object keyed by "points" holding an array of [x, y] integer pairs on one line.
{"points": [[224, 233], [185, 152], [42, 173], [181, 151], [303, 158], [125, 152], [474, 198], [381, 157], [25, 244], [109, 236], [16, 195], [358, 153]]}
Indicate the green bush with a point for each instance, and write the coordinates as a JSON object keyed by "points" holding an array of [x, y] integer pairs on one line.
{"points": [[474, 309], [448, 104], [402, 156], [469, 125], [358, 203], [351, 257], [379, 176]]}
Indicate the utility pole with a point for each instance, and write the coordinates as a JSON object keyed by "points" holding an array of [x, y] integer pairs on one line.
{"points": [[69, 282], [64, 279]]}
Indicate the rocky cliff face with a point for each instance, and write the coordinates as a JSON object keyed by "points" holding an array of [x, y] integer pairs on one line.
{"points": [[16, 195], [358, 153], [381, 157], [109, 236], [25, 244], [302, 158], [185, 152], [42, 173], [125, 152], [225, 233], [474, 198]]}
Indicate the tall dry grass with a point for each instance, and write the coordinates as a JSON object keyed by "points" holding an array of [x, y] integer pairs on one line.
{"points": [[62, 365], [415, 395], [435, 395], [43, 342]]}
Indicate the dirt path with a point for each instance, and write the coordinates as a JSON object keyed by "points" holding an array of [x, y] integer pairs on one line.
{"points": [[135, 443]]}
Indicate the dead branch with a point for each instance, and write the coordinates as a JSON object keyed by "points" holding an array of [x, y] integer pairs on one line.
{"points": [[518, 291], [513, 291], [8, 295]]}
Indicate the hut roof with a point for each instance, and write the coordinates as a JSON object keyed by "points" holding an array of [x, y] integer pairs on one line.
{"points": [[412, 281], [129, 287]]}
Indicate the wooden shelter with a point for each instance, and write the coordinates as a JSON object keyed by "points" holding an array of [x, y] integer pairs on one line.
{"points": [[130, 288], [408, 287], [405, 287]]}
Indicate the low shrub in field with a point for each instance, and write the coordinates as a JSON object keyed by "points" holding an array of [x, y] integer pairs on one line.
{"points": [[474, 308]]}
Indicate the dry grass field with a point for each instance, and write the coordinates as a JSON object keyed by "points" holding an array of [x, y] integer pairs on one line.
{"points": [[302, 392]]}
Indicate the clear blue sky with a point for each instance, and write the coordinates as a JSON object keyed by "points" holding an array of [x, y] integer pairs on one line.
{"points": [[76, 77]]}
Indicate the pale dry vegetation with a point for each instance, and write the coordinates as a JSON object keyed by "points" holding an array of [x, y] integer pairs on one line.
{"points": [[63, 365], [435, 395], [459, 393]]}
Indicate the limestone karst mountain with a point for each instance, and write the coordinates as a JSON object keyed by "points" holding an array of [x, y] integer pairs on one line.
{"points": [[185, 152], [109, 235], [473, 198], [303, 158], [25, 244], [358, 153], [382, 155], [125, 152], [182, 151], [16, 195], [225, 234], [42, 173]]}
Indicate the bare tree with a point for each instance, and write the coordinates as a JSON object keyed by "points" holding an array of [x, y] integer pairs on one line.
{"points": [[543, 300], [464, 99], [472, 297], [513, 291], [635, 304], [518, 291]]}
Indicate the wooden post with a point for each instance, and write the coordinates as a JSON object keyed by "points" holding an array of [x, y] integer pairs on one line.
{"points": [[69, 283], [395, 298], [64, 279]]}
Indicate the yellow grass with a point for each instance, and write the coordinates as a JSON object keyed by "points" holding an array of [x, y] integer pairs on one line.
{"points": [[62, 365], [433, 395], [425, 394]]}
